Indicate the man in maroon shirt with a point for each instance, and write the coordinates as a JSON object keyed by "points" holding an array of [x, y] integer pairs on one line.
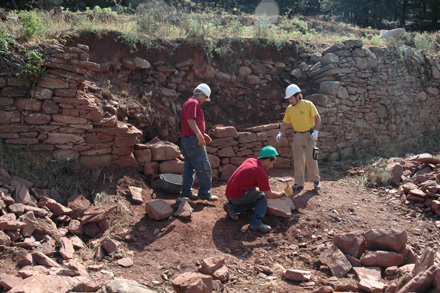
{"points": [[193, 146], [242, 192]]}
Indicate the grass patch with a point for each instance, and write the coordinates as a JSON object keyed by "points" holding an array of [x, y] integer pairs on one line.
{"points": [[377, 174], [68, 177], [157, 20], [117, 219]]}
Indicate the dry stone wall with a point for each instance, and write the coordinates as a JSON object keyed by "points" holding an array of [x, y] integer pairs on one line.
{"points": [[228, 149], [367, 98], [372, 97], [56, 117]]}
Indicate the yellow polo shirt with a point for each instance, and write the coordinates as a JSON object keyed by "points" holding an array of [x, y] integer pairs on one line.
{"points": [[302, 116]]}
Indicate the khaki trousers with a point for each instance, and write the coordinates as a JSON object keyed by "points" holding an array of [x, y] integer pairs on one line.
{"points": [[302, 150]]}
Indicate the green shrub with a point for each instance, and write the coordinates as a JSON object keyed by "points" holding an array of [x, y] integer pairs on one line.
{"points": [[424, 42], [158, 19], [26, 64], [235, 27], [6, 42], [106, 11], [205, 27], [32, 25], [293, 24], [372, 39], [32, 70], [149, 23], [262, 31], [9, 59]]}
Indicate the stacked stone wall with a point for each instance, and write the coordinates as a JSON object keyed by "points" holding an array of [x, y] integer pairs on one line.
{"points": [[367, 98], [56, 117], [228, 149], [372, 97]]}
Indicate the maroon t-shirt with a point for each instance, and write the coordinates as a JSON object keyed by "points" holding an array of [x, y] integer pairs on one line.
{"points": [[249, 175], [192, 110]]}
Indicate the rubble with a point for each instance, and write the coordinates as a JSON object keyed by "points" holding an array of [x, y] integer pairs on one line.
{"points": [[385, 253], [417, 187], [45, 226]]}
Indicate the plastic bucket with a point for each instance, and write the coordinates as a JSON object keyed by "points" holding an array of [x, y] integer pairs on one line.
{"points": [[171, 183]]}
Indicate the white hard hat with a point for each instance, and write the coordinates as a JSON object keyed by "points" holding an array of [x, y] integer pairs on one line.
{"points": [[291, 90], [205, 89]]}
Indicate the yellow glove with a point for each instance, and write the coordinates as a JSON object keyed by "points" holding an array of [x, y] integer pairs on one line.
{"points": [[288, 191]]}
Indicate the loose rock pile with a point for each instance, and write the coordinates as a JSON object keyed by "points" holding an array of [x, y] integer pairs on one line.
{"points": [[417, 180], [32, 217], [379, 258]]}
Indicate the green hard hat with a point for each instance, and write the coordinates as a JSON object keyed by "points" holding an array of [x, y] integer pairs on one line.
{"points": [[268, 151]]}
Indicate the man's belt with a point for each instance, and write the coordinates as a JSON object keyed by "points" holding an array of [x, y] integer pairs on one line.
{"points": [[310, 130]]}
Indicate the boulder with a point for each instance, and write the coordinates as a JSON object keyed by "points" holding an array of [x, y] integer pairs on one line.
{"points": [[192, 282], [158, 210]]}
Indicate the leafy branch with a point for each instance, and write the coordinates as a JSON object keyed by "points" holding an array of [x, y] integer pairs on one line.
{"points": [[15, 58]]}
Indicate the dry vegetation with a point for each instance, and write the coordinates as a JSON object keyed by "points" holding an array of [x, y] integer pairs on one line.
{"points": [[204, 27]]}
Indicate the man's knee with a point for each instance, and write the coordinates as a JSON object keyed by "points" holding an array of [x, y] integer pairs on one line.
{"points": [[262, 197], [203, 167]]}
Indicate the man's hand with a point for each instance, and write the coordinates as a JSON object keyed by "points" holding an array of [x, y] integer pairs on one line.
{"points": [[207, 138], [314, 135], [201, 139], [278, 137]]}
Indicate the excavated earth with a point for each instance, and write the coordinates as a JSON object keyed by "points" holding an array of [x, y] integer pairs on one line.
{"points": [[164, 249]]}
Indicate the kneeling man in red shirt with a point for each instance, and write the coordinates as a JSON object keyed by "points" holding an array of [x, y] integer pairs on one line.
{"points": [[242, 191]]}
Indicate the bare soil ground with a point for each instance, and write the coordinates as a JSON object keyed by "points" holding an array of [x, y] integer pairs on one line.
{"points": [[164, 249]]}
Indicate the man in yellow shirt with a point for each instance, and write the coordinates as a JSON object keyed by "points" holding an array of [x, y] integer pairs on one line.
{"points": [[305, 120]]}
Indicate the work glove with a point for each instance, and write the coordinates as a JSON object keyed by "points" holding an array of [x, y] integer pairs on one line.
{"points": [[207, 138], [288, 191], [201, 139], [314, 135], [278, 137]]}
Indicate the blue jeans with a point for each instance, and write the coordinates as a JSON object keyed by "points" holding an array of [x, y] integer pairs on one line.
{"points": [[196, 162], [250, 199]]}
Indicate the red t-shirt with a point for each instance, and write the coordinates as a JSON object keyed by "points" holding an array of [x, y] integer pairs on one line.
{"points": [[192, 110], [249, 175]]}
